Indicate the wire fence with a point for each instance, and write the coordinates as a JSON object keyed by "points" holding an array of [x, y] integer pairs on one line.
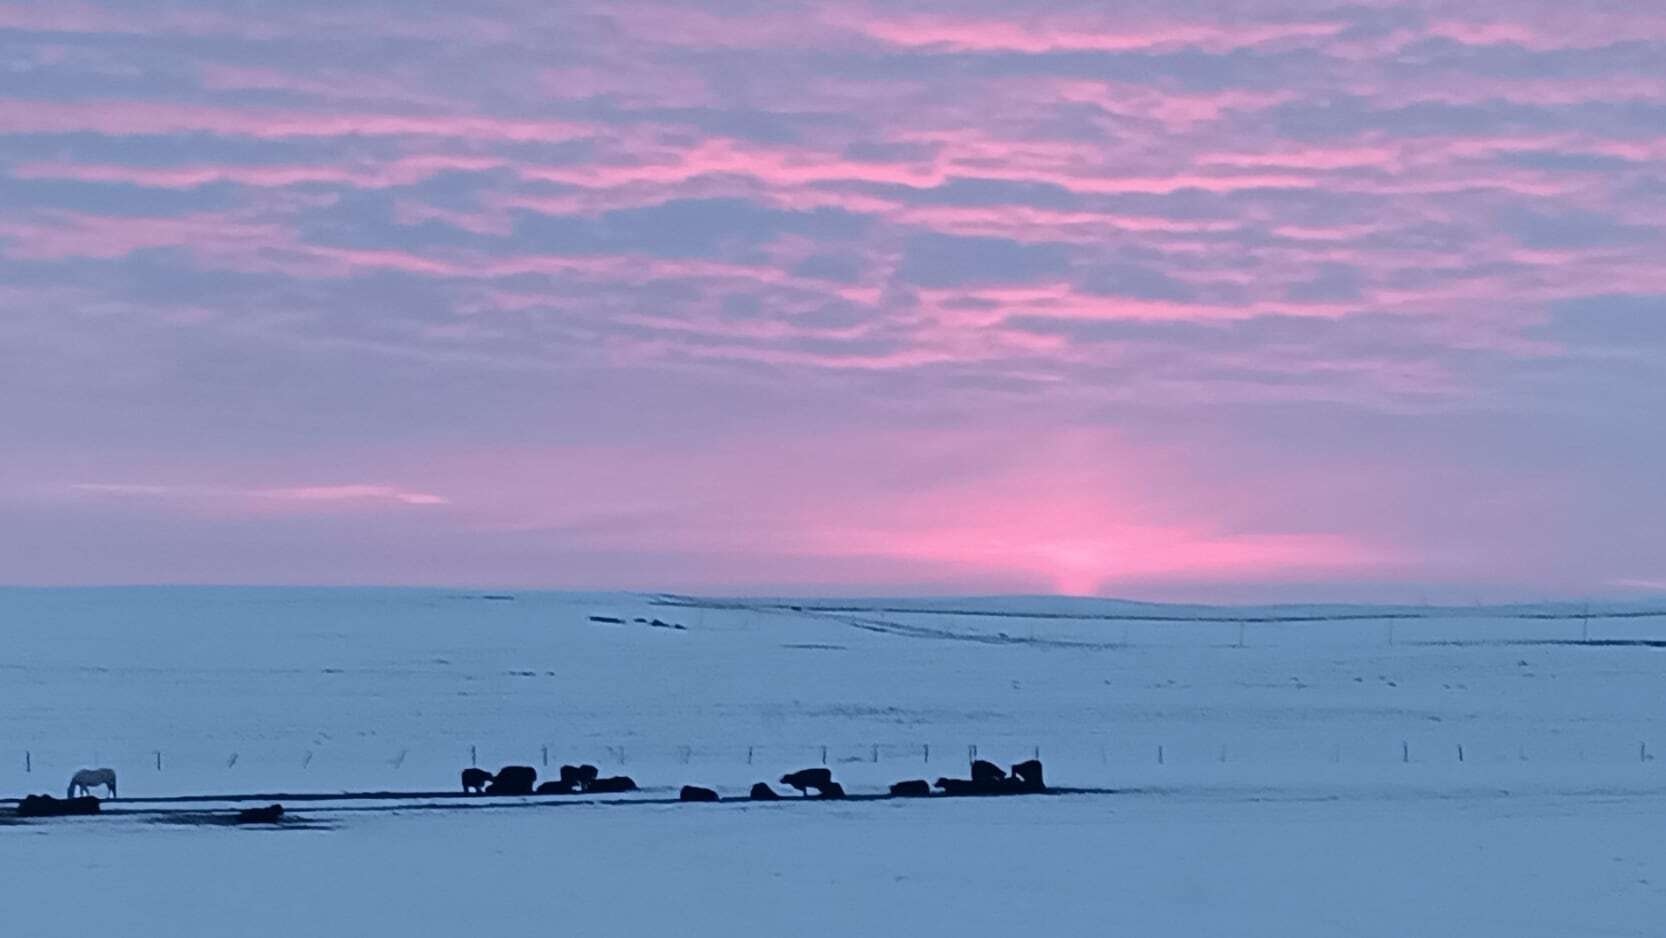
{"points": [[430, 759]]}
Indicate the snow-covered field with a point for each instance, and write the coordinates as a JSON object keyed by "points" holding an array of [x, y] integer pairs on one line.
{"points": [[1290, 771]]}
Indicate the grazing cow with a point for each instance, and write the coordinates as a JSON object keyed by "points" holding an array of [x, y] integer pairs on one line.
{"points": [[513, 780], [985, 772], [1029, 774], [553, 787], [475, 780], [831, 790], [48, 806], [612, 784], [83, 781], [696, 793], [913, 788], [762, 792], [805, 779], [271, 814]]}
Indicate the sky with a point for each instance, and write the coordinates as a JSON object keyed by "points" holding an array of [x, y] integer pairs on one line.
{"points": [[1250, 300]]}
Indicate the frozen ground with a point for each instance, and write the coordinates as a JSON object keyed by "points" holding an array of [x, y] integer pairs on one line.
{"points": [[1309, 783]]}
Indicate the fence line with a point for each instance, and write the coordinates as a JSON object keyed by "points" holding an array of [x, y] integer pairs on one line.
{"points": [[1161, 752]]}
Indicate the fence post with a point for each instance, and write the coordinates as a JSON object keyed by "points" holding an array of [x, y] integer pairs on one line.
{"points": [[748, 755], [1405, 752], [307, 759], [926, 753], [232, 761], [158, 760], [544, 753], [824, 755], [28, 761], [876, 753], [1643, 752], [1159, 753], [1460, 752], [1035, 752], [473, 760]]}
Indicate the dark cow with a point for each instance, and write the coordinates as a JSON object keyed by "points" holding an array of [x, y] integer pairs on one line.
{"points": [[805, 779], [831, 790], [696, 793], [1028, 774], [985, 772], [271, 814], [913, 788], [762, 792], [579, 775], [553, 787], [48, 806], [513, 780], [958, 786], [612, 784], [475, 780]]}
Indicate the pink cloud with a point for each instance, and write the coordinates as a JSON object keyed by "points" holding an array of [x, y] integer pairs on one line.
{"points": [[213, 498]]}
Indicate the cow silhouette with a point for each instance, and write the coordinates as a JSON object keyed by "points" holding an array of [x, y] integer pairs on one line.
{"points": [[831, 790], [1028, 775], [48, 806], [553, 787], [959, 786], [475, 780], [762, 792], [913, 788], [513, 780], [612, 784], [696, 793], [985, 772], [271, 814], [805, 779], [581, 776]]}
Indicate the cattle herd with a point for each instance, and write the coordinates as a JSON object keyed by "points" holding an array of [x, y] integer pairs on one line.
{"points": [[987, 779], [523, 780]]}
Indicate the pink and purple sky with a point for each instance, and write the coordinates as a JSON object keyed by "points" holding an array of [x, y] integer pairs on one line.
{"points": [[1180, 300]]}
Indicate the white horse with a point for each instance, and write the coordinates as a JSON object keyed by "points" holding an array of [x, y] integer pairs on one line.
{"points": [[87, 779]]}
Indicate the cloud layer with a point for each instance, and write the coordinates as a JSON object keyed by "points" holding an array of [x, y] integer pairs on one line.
{"points": [[1152, 299]]}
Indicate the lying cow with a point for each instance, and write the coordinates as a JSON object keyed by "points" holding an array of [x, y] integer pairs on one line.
{"points": [[805, 779], [985, 772], [474, 780], [696, 793], [612, 784], [553, 787], [762, 792], [959, 786], [913, 788], [1028, 774], [513, 780], [48, 806], [271, 814]]}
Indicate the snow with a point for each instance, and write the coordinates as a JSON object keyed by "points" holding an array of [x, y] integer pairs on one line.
{"points": [[1309, 785]]}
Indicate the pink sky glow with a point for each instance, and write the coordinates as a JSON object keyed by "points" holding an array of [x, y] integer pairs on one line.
{"points": [[1312, 300]]}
